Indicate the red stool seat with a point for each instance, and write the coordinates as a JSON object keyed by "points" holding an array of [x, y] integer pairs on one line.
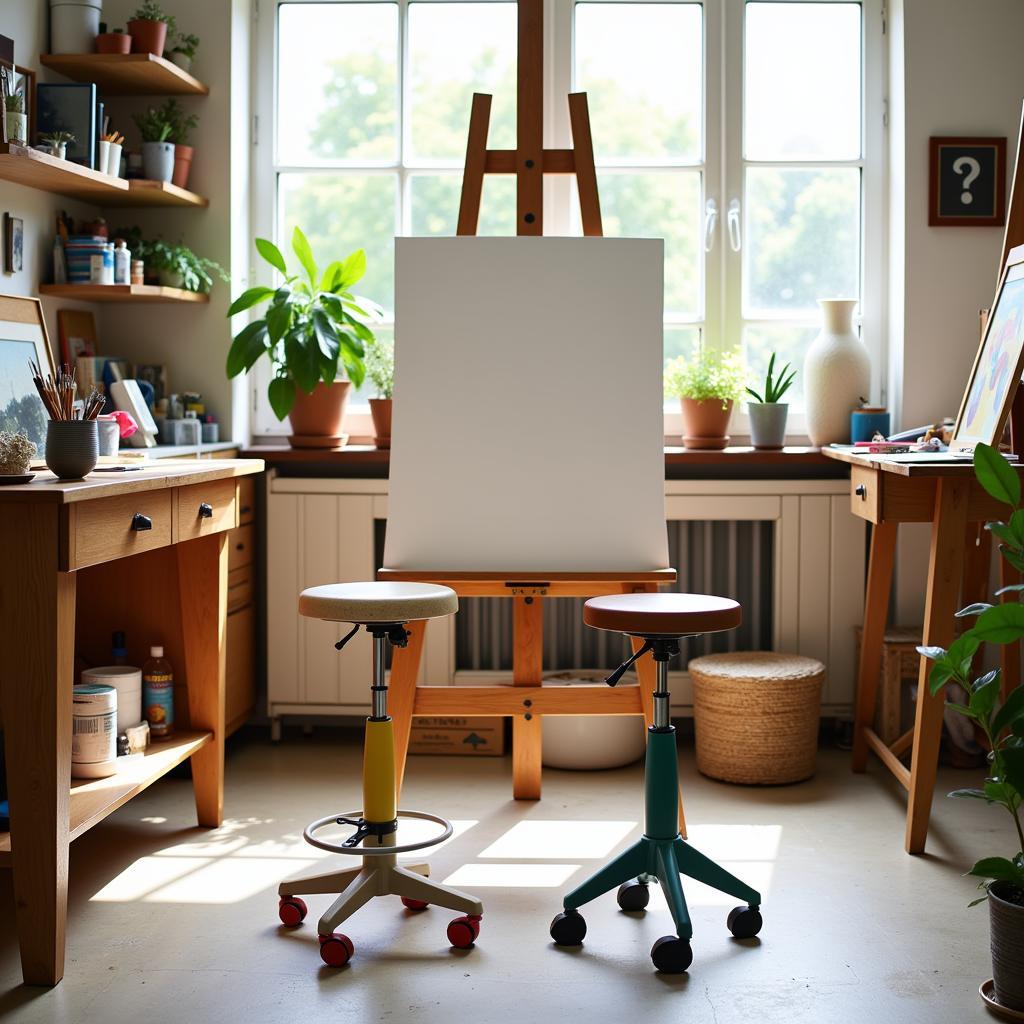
{"points": [[662, 614]]}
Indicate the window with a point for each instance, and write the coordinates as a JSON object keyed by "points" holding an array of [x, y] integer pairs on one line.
{"points": [[746, 133]]}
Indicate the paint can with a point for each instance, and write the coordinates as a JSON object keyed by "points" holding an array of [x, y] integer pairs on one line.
{"points": [[93, 731], [127, 681]]}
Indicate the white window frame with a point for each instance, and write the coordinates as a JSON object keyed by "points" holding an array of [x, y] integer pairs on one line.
{"points": [[722, 168]]}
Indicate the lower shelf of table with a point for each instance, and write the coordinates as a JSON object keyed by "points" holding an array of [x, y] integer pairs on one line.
{"points": [[93, 799]]}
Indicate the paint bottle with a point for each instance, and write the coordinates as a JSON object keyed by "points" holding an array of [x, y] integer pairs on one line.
{"points": [[122, 263], [158, 694]]}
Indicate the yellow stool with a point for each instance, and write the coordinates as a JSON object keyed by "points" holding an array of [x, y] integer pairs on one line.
{"points": [[382, 609]]}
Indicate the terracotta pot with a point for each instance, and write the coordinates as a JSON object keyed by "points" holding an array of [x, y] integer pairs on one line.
{"points": [[1006, 920], [113, 42], [321, 413], [705, 422], [148, 36], [182, 165], [380, 410]]}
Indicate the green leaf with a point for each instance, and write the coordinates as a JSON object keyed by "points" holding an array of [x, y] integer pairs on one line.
{"points": [[1013, 759], [281, 393], [326, 336], [1016, 525], [976, 794], [353, 268], [303, 359], [248, 345], [333, 307], [332, 277], [1011, 711], [983, 698], [1012, 556], [272, 255], [1010, 589], [279, 318], [940, 674], [1003, 532], [757, 398], [932, 653], [980, 899], [973, 609], [249, 298], [1002, 624], [996, 868], [996, 475], [300, 245]]}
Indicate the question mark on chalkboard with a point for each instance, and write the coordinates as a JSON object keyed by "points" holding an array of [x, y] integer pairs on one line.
{"points": [[970, 169]]}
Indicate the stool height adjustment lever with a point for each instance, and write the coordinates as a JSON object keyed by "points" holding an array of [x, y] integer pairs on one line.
{"points": [[662, 649]]}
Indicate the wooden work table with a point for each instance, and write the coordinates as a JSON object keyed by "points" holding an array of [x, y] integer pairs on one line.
{"points": [[947, 495], [145, 552]]}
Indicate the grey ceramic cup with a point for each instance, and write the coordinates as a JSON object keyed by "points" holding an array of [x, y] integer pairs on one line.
{"points": [[110, 436], [72, 448]]}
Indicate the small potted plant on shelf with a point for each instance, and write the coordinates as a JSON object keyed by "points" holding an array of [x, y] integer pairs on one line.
{"points": [[313, 328], [117, 41], [708, 384], [15, 117], [157, 151], [1001, 722], [380, 368], [58, 143], [177, 266], [183, 50], [149, 28], [768, 412], [181, 125]]}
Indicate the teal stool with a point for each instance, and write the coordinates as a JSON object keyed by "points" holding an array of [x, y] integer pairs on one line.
{"points": [[661, 854]]}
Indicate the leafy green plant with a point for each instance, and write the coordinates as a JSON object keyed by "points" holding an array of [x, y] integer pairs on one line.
{"points": [[55, 139], [154, 125], [196, 272], [1002, 722], [774, 387], [380, 366], [181, 123], [311, 325], [708, 374], [150, 10], [187, 44], [15, 103]]}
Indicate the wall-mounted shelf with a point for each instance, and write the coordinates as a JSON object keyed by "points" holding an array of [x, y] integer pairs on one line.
{"points": [[126, 74], [26, 166], [121, 293]]}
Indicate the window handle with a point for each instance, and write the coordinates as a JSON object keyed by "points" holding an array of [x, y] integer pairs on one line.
{"points": [[710, 223], [732, 219]]}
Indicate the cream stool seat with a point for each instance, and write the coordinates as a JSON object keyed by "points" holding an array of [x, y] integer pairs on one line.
{"points": [[377, 602]]}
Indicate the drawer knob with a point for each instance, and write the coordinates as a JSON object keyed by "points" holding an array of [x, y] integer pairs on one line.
{"points": [[861, 491], [205, 511], [141, 522]]}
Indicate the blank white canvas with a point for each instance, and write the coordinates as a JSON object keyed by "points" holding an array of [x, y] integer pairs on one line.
{"points": [[528, 431]]}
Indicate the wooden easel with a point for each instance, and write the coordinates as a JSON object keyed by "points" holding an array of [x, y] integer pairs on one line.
{"points": [[525, 700]]}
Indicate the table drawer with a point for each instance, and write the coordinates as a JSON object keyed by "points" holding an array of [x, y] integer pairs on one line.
{"points": [[206, 508], [241, 546], [109, 528]]}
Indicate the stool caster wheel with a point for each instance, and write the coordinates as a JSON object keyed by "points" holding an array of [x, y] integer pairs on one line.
{"points": [[671, 955], [463, 931], [568, 928], [336, 950], [744, 922], [292, 911], [411, 904], [633, 895]]}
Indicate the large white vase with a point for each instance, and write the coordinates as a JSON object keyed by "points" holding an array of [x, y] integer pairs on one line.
{"points": [[837, 374]]}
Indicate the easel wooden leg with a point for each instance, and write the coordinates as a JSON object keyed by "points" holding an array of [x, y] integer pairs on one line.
{"points": [[405, 667], [476, 160], [876, 611], [944, 577], [527, 670], [583, 156], [1009, 654]]}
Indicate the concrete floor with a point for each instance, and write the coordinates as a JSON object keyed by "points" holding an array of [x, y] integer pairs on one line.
{"points": [[171, 923]]}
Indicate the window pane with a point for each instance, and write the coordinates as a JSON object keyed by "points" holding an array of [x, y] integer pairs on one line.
{"points": [[456, 49], [338, 81], [435, 204], [659, 204], [642, 66], [360, 397], [790, 344], [340, 213], [680, 340], [802, 238], [802, 81]]}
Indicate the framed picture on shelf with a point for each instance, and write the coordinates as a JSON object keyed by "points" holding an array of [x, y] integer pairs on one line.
{"points": [[22, 340], [966, 182], [14, 244], [76, 334]]}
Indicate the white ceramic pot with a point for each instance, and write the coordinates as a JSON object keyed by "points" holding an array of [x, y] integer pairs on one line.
{"points": [[183, 60], [837, 374], [74, 25], [158, 161], [17, 127]]}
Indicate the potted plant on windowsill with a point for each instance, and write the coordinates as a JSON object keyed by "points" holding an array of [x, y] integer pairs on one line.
{"points": [[380, 368], [157, 151], [767, 413], [149, 28], [183, 52], [708, 384], [1002, 723], [313, 328]]}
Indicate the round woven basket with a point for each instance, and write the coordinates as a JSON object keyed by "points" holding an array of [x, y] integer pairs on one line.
{"points": [[756, 716]]}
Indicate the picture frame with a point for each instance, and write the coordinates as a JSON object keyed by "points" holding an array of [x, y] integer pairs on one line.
{"points": [[14, 244], [966, 181], [76, 332], [23, 337], [995, 375]]}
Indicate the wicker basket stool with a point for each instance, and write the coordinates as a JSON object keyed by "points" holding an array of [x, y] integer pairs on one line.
{"points": [[756, 716]]}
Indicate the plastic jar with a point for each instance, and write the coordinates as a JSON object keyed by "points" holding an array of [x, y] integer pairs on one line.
{"points": [[127, 681], [93, 731]]}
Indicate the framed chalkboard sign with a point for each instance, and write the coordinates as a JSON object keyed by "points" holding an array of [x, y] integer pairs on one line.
{"points": [[966, 182]]}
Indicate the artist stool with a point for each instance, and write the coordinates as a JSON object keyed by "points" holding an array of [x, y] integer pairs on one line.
{"points": [[382, 609], [661, 854]]}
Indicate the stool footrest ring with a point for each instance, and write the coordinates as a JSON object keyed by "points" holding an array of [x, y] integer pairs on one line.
{"points": [[308, 833]]}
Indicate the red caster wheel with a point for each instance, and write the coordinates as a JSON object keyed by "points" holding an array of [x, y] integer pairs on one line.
{"points": [[411, 904], [292, 911], [336, 950], [463, 931]]}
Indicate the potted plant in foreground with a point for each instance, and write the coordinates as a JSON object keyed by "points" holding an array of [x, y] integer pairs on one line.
{"points": [[1002, 723], [380, 368], [313, 327], [708, 384], [149, 27], [767, 413]]}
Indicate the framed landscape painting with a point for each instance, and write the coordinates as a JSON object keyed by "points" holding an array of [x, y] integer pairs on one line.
{"points": [[22, 339]]}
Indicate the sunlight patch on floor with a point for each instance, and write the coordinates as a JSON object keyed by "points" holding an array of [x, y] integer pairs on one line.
{"points": [[511, 876], [557, 839]]}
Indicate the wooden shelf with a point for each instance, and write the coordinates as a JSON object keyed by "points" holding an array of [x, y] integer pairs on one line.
{"points": [[121, 293], [25, 166], [126, 74], [93, 799]]}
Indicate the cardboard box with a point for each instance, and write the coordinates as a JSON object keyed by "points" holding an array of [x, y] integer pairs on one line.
{"points": [[480, 737]]}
